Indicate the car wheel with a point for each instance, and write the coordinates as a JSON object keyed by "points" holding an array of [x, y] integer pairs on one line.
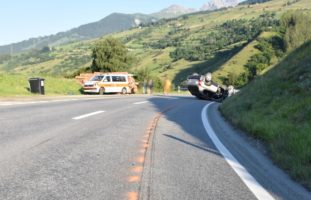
{"points": [[101, 91], [123, 91]]}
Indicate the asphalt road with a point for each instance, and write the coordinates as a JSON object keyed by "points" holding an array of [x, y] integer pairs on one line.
{"points": [[131, 147]]}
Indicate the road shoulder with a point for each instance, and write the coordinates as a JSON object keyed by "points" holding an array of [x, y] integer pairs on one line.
{"points": [[253, 156]]}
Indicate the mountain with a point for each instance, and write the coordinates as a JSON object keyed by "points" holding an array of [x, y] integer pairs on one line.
{"points": [[217, 4], [253, 1], [173, 11], [113, 23]]}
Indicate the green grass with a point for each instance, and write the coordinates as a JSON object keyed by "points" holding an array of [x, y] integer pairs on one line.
{"points": [[276, 108], [17, 85], [236, 63]]}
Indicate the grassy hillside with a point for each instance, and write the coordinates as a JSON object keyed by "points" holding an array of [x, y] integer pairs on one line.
{"points": [[236, 65], [112, 23], [61, 60], [153, 45], [277, 109], [17, 85], [188, 31]]}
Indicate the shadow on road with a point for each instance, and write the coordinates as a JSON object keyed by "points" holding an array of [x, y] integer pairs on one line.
{"points": [[193, 145], [185, 112]]}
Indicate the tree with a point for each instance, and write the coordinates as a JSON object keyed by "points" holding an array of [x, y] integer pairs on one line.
{"points": [[110, 55], [45, 49]]}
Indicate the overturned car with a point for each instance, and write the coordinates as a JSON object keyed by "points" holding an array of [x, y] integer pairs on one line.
{"points": [[203, 87]]}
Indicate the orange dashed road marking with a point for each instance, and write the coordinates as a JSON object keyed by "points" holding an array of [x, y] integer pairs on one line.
{"points": [[145, 145], [137, 169], [140, 159], [132, 179], [132, 196]]}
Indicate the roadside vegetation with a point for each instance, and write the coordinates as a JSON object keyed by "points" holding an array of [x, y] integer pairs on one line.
{"points": [[276, 107], [17, 85]]}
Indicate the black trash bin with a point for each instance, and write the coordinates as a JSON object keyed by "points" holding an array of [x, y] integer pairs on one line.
{"points": [[36, 85]]}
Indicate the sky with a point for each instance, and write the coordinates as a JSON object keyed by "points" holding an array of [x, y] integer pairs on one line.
{"points": [[24, 19]]}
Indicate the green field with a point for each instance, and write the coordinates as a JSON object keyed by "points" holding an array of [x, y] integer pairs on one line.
{"points": [[17, 85]]}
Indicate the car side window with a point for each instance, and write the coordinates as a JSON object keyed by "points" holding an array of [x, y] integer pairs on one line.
{"points": [[114, 78], [118, 79], [106, 79], [122, 79], [97, 78]]}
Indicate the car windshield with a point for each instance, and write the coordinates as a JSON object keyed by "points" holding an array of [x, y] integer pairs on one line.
{"points": [[97, 78]]}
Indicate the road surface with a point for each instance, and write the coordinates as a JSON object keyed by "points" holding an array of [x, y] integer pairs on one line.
{"points": [[131, 147]]}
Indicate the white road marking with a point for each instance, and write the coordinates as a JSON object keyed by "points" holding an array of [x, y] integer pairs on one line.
{"points": [[20, 103], [63, 100], [141, 102], [88, 115], [6, 104], [167, 97], [246, 177], [12, 103], [34, 102]]}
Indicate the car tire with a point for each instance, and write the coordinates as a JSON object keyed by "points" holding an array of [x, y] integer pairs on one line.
{"points": [[102, 91], [123, 91]]}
